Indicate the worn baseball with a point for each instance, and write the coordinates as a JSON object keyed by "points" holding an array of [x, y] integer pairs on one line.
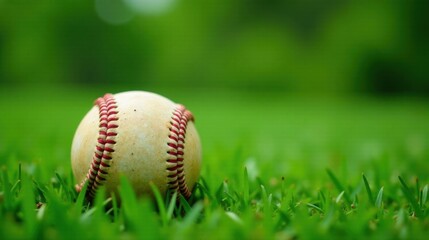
{"points": [[140, 135]]}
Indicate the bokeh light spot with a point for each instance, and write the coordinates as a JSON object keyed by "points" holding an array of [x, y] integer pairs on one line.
{"points": [[150, 7], [113, 11]]}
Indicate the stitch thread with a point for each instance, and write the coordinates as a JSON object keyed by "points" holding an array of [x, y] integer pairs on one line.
{"points": [[106, 140], [176, 144], [104, 148]]}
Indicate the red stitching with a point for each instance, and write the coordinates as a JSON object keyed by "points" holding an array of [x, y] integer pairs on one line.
{"points": [[175, 165], [104, 148], [105, 144]]}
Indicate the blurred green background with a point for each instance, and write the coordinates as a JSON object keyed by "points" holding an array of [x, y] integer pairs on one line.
{"points": [[318, 47], [291, 86]]}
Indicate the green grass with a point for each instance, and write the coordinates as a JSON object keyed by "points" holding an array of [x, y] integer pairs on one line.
{"points": [[274, 167]]}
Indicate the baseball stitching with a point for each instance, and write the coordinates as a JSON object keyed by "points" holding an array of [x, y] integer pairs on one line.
{"points": [[102, 158], [176, 144], [101, 161]]}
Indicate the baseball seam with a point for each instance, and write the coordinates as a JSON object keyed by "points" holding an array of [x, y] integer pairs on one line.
{"points": [[176, 146], [106, 140]]}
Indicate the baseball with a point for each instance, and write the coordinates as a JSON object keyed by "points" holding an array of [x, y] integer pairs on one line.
{"points": [[140, 135]]}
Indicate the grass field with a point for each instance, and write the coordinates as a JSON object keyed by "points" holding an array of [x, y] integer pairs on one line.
{"points": [[274, 167]]}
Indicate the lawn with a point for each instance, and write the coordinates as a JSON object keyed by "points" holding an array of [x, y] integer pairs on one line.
{"points": [[275, 166]]}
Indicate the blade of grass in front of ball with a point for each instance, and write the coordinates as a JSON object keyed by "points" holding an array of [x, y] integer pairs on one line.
{"points": [[79, 204], [160, 203], [193, 215], [171, 206]]}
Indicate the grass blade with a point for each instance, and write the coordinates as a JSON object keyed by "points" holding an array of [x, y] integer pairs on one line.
{"points": [[409, 195], [204, 187], [7, 200], [19, 174], [283, 189], [193, 215], [81, 198], [267, 201], [40, 192], [16, 187], [184, 204], [424, 195], [171, 206], [322, 198], [379, 199], [368, 189], [315, 207], [115, 208], [338, 199], [339, 186], [129, 205], [417, 187], [64, 186], [246, 190], [160, 203], [28, 206], [234, 217]]}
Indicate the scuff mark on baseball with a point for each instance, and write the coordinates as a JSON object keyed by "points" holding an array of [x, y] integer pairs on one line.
{"points": [[141, 135]]}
